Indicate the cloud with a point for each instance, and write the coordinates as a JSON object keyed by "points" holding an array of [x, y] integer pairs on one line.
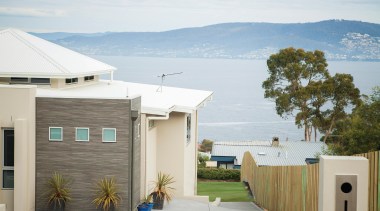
{"points": [[30, 12]]}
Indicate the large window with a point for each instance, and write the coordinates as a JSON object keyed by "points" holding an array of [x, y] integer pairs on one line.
{"points": [[55, 134], [109, 134], [8, 158], [82, 134]]}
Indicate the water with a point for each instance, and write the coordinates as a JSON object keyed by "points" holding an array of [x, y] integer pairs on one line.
{"points": [[238, 110]]}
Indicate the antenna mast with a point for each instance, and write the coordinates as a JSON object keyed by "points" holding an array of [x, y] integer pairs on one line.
{"points": [[163, 78]]}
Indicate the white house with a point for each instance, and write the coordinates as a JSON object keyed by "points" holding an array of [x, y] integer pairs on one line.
{"points": [[57, 115]]}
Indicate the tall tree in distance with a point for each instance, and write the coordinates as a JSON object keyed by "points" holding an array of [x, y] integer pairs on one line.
{"points": [[206, 145], [341, 92], [360, 131], [293, 76]]}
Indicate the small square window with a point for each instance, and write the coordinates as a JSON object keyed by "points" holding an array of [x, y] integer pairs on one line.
{"points": [[151, 124], [55, 133], [82, 134], [109, 134]]}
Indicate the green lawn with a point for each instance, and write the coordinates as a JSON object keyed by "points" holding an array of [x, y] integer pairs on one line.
{"points": [[228, 191]]}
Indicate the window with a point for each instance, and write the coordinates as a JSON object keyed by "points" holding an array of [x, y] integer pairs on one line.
{"points": [[151, 124], [138, 130], [8, 158], [18, 80], [109, 134], [40, 80], [188, 127], [71, 80], [82, 134], [55, 134], [89, 78]]}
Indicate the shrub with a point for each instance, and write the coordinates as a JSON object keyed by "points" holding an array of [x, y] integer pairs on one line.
{"points": [[58, 193], [106, 194], [219, 174]]}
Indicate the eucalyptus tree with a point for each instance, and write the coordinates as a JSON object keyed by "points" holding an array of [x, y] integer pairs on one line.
{"points": [[295, 76], [360, 131], [343, 96]]}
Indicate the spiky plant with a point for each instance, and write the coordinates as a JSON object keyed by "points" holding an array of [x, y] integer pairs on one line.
{"points": [[162, 186], [106, 194], [58, 193]]}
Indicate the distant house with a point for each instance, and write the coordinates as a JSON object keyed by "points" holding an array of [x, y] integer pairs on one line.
{"points": [[56, 114], [268, 153], [225, 162]]}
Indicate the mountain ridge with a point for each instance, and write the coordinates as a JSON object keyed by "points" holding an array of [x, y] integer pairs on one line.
{"points": [[339, 39]]}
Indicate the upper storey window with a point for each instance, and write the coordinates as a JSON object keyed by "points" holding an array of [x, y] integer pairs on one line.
{"points": [[22, 80], [89, 78], [71, 80]]}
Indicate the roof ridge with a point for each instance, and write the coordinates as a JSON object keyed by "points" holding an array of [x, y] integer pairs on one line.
{"points": [[15, 33]]}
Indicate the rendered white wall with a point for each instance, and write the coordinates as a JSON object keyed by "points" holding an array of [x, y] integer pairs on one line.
{"points": [[190, 162], [171, 149], [151, 157], [17, 110], [165, 148]]}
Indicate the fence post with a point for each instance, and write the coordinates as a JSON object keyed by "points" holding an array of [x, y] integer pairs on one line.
{"points": [[304, 184]]}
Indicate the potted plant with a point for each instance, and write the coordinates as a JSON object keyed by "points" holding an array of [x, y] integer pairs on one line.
{"points": [[106, 194], [162, 190], [58, 192], [146, 204], [143, 207]]}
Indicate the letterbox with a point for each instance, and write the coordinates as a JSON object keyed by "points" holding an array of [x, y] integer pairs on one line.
{"points": [[343, 183], [346, 192]]}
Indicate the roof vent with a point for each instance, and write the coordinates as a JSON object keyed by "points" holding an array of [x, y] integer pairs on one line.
{"points": [[262, 153]]}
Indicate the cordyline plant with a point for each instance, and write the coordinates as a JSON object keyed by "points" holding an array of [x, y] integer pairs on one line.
{"points": [[162, 186], [58, 193], [106, 194]]}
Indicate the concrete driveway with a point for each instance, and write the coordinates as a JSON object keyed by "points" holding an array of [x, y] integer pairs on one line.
{"points": [[192, 205]]}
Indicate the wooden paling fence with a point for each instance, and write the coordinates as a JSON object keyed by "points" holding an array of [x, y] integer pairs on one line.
{"points": [[373, 180], [295, 188]]}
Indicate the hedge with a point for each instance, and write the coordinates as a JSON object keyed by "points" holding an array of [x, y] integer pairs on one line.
{"points": [[219, 174]]}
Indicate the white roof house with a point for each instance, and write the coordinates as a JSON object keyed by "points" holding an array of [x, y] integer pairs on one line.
{"points": [[288, 153], [35, 73], [153, 102], [30, 56]]}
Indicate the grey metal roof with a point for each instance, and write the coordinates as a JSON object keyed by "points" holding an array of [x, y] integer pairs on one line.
{"points": [[289, 153]]}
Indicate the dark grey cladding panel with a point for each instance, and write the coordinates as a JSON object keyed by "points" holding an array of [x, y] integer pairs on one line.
{"points": [[83, 162], [136, 173]]}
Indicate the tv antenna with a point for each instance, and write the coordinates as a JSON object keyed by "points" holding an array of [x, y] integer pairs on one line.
{"points": [[163, 78]]}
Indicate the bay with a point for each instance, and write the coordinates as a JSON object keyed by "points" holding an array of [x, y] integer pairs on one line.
{"points": [[238, 110]]}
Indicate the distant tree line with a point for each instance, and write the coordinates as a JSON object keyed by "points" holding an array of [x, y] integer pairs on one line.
{"points": [[301, 86]]}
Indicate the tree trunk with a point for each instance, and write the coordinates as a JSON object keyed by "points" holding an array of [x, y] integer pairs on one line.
{"points": [[310, 132], [315, 134], [329, 130], [305, 132]]}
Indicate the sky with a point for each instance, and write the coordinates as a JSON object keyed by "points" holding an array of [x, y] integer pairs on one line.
{"points": [[161, 15]]}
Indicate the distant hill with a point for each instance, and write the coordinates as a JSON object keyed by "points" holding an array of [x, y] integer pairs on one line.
{"points": [[339, 39]]}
